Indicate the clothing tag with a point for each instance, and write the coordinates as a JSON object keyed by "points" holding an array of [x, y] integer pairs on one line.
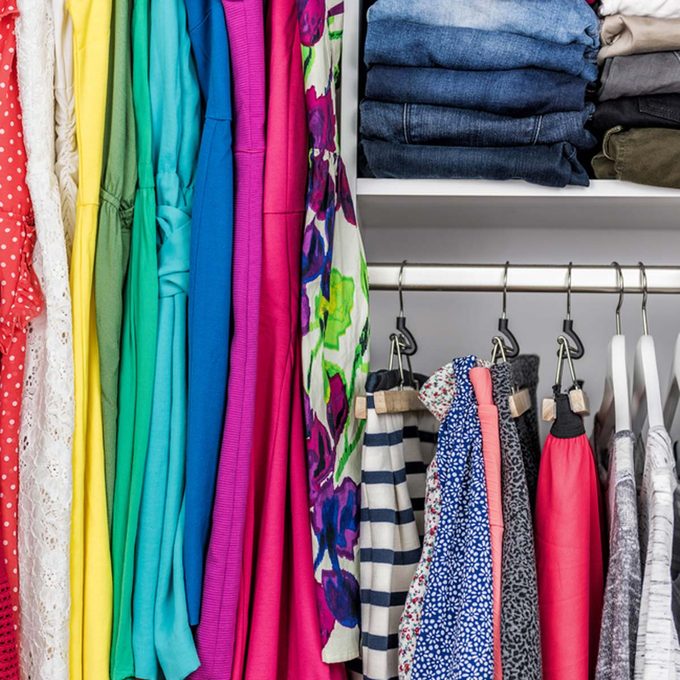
{"points": [[520, 402], [549, 410]]}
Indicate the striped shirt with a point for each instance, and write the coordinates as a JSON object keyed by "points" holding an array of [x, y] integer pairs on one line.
{"points": [[397, 449]]}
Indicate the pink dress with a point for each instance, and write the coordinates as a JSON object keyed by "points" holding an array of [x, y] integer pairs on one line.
{"points": [[217, 629], [491, 448], [568, 550], [276, 632]]}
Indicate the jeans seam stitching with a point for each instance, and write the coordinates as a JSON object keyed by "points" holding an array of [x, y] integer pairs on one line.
{"points": [[537, 129], [405, 122]]}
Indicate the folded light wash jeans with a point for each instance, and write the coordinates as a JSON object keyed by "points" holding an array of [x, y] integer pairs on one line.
{"points": [[403, 43], [553, 166], [561, 21], [517, 92], [646, 156], [445, 125], [640, 74]]}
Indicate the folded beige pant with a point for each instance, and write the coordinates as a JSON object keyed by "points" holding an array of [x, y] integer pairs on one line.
{"points": [[623, 35]]}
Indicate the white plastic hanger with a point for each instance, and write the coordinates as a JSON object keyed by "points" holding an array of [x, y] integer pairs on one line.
{"points": [[673, 397], [614, 412], [646, 401]]}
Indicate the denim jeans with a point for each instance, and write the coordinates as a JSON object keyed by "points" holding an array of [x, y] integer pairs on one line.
{"points": [[518, 92], [551, 20], [403, 43], [425, 124], [660, 111], [553, 166], [639, 74], [646, 156]]}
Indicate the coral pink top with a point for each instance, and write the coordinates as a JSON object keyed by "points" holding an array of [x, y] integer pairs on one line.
{"points": [[491, 447]]}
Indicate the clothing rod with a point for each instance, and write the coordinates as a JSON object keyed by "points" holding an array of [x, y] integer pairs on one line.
{"points": [[525, 278]]}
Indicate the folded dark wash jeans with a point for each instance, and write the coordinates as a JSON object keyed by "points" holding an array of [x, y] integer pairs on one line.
{"points": [[517, 92], [563, 21], [403, 43], [553, 166], [640, 74], [661, 111], [646, 156], [445, 125]]}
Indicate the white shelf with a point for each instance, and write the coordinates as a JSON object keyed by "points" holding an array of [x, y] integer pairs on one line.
{"points": [[609, 189]]}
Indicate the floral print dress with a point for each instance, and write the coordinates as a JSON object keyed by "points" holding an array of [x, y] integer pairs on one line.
{"points": [[335, 334]]}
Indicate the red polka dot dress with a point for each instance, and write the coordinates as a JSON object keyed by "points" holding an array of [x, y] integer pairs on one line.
{"points": [[20, 301]]}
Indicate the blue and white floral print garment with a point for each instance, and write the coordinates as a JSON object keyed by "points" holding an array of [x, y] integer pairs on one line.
{"points": [[456, 635]]}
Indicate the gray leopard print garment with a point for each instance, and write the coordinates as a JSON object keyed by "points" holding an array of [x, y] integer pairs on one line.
{"points": [[520, 633], [621, 609], [524, 374]]}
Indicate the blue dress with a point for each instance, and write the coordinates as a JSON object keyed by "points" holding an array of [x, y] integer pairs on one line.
{"points": [[209, 288], [161, 632], [456, 635]]}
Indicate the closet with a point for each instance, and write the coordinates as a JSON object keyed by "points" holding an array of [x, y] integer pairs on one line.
{"points": [[469, 222]]}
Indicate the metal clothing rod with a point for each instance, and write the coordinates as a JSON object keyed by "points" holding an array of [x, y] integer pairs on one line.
{"points": [[525, 278]]}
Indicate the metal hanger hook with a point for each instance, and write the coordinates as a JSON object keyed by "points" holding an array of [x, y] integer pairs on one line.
{"points": [[569, 266], [643, 284], [620, 283], [505, 290], [401, 288]]}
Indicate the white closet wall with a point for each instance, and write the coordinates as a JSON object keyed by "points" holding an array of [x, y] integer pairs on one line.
{"points": [[491, 222]]}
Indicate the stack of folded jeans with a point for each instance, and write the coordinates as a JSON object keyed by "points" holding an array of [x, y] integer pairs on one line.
{"points": [[638, 113], [489, 89]]}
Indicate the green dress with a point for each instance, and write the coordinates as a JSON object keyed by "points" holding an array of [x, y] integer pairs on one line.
{"points": [[117, 197], [138, 359]]}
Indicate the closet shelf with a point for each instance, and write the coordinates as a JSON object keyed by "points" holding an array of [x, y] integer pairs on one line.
{"points": [[489, 190], [482, 204]]}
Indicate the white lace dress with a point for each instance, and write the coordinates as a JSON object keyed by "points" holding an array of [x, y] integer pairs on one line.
{"points": [[47, 408], [66, 150]]}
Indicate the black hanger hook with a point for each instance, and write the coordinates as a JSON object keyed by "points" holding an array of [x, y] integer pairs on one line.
{"points": [[511, 350], [577, 350], [408, 346]]}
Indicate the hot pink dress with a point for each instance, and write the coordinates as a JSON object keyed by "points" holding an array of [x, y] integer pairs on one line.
{"points": [[276, 632]]}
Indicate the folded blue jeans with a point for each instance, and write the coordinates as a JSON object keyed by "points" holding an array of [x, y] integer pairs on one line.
{"points": [[553, 166], [553, 20], [517, 92], [405, 43], [445, 125]]}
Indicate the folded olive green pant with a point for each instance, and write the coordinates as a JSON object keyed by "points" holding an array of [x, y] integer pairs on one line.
{"points": [[645, 155]]}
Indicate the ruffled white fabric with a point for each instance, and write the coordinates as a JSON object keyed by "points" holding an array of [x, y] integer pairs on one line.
{"points": [[47, 406], [66, 166]]}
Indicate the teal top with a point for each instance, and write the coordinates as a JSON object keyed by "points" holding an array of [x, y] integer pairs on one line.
{"points": [[161, 632], [137, 361]]}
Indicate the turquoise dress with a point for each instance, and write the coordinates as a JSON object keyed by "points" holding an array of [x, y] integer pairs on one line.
{"points": [[161, 632]]}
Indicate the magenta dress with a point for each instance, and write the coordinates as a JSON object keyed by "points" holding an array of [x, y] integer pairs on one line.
{"points": [[216, 631]]}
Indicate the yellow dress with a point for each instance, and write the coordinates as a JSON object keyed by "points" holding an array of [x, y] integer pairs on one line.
{"points": [[91, 596]]}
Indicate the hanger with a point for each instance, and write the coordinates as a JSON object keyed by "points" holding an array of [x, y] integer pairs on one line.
{"points": [[577, 350], [409, 346], [646, 400], [511, 350], [402, 346], [614, 413], [673, 396]]}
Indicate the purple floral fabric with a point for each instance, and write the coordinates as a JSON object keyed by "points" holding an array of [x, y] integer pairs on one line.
{"points": [[335, 334]]}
